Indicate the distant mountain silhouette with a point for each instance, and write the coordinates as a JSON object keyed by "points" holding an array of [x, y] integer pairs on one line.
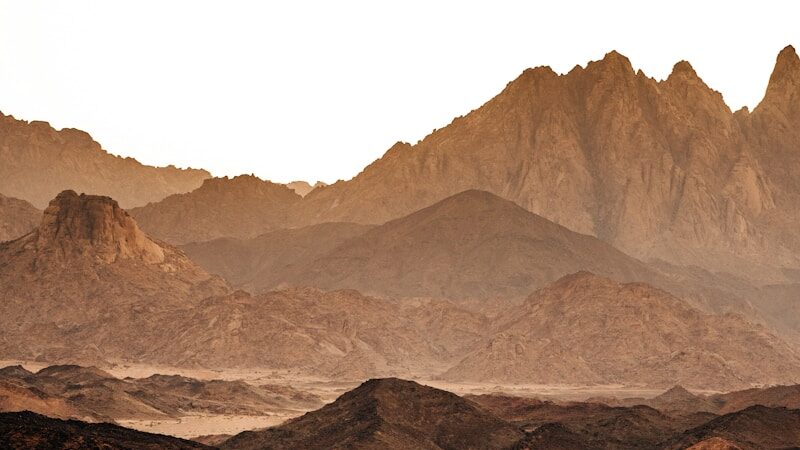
{"points": [[39, 162], [240, 207]]}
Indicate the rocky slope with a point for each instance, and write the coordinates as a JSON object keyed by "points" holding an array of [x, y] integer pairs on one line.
{"points": [[17, 217], [88, 286], [587, 425], [90, 394], [585, 329], [39, 162], [85, 283], [659, 169], [29, 431], [339, 334], [471, 245], [757, 427], [387, 414], [263, 262], [240, 207]]}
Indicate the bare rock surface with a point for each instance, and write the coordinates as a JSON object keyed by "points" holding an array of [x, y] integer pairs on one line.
{"points": [[39, 162]]}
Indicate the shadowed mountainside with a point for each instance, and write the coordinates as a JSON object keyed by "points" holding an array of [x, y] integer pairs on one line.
{"points": [[29, 431]]}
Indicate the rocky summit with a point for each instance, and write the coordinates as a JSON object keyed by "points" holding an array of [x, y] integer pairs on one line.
{"points": [[659, 169], [585, 329], [40, 161]]}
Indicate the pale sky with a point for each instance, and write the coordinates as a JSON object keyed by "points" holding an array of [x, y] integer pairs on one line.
{"points": [[317, 90]]}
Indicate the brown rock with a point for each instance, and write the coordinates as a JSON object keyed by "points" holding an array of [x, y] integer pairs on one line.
{"points": [[17, 217], [39, 162]]}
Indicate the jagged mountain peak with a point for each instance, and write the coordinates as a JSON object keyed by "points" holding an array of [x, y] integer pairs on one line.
{"points": [[787, 62], [683, 68], [783, 90]]}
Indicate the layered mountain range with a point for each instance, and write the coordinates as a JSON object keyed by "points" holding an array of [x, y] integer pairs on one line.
{"points": [[659, 169], [598, 227], [241, 207], [89, 286], [40, 161]]}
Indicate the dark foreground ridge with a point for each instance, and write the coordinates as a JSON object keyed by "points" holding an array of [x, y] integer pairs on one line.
{"points": [[26, 430]]}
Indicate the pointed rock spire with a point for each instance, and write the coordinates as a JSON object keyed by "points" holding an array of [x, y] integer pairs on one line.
{"points": [[787, 65], [783, 90]]}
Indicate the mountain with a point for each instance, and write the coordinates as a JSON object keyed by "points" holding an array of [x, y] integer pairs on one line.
{"points": [[387, 414], [757, 427], [772, 396], [29, 431], [471, 245], [587, 425], [84, 284], [340, 334], [263, 262], [302, 188], [88, 286], [92, 395], [240, 207], [17, 217], [679, 399], [659, 169], [39, 162], [585, 329]]}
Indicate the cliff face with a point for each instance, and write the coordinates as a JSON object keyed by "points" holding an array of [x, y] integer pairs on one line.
{"points": [[39, 162], [660, 169], [17, 217], [86, 283]]}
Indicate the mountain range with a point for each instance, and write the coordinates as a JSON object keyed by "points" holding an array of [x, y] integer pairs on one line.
{"points": [[119, 295], [598, 227], [39, 162]]}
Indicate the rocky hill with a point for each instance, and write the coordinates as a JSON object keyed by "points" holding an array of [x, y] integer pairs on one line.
{"points": [[92, 395], [264, 262], [240, 207], [471, 245], [39, 162], [585, 329], [27, 430], [387, 414], [85, 282]]}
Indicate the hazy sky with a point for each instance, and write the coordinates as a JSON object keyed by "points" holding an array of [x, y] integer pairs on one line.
{"points": [[317, 90]]}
